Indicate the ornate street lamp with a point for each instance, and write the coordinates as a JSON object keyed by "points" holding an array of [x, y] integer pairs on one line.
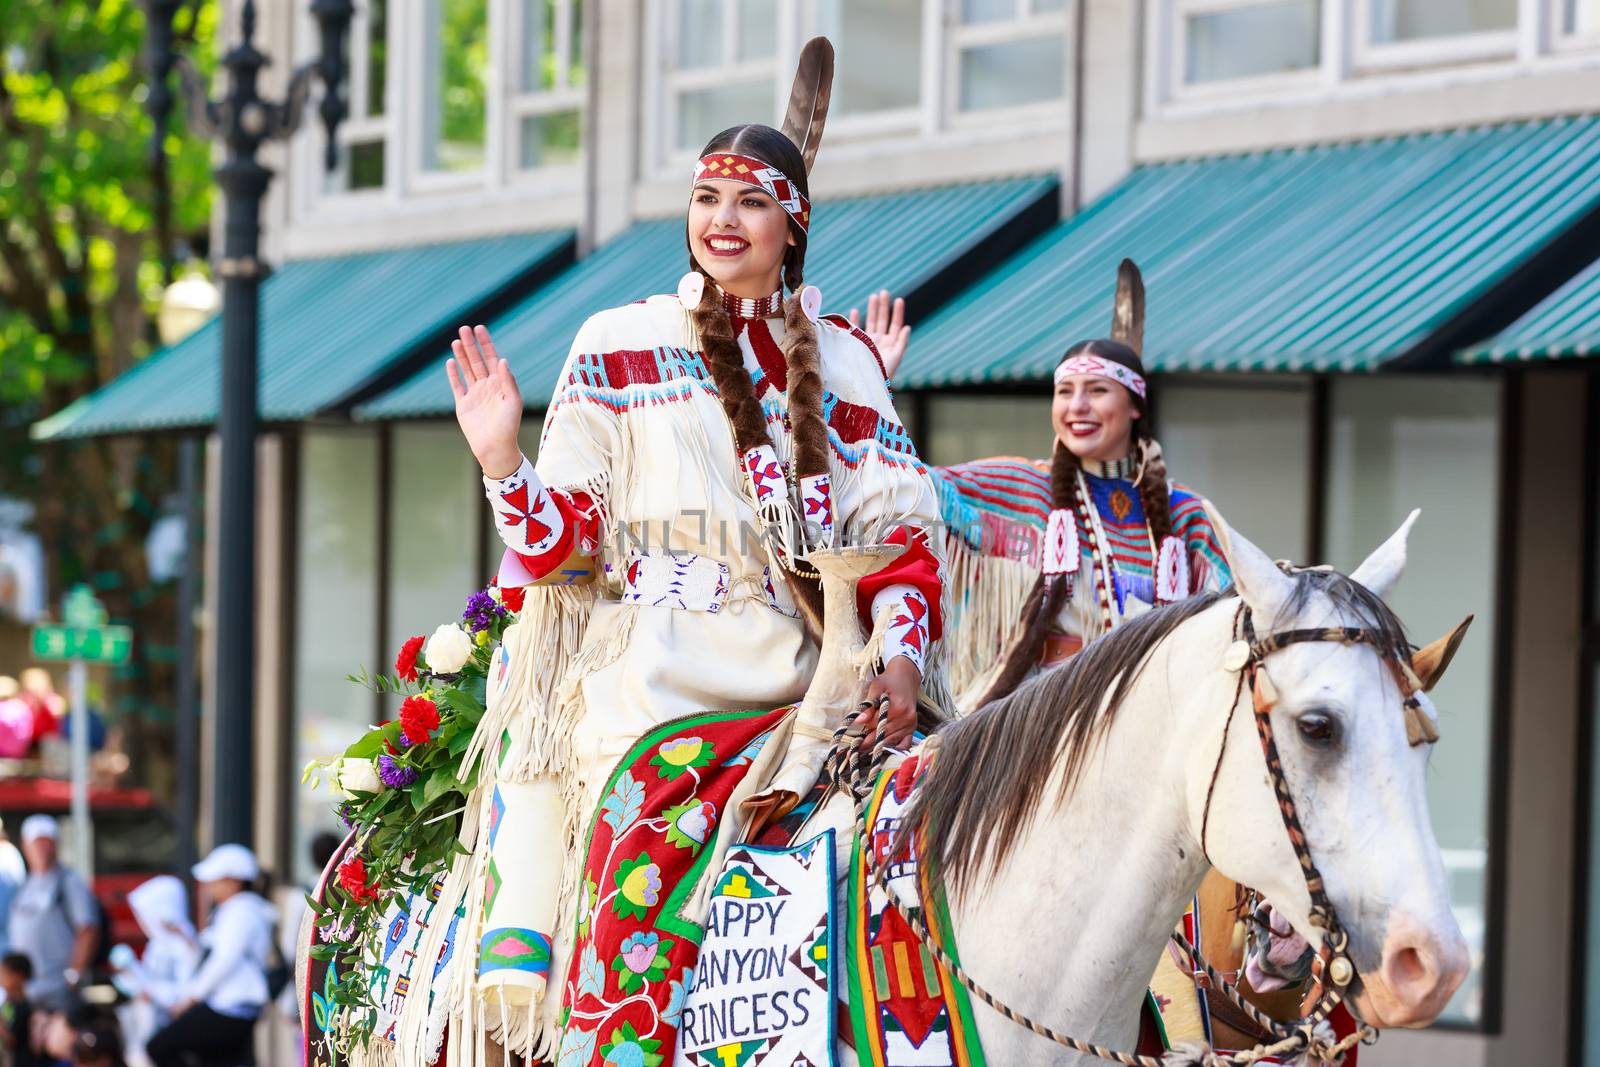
{"points": [[244, 121]]}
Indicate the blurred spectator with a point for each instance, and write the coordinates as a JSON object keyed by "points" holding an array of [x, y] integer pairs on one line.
{"points": [[16, 1015], [54, 919], [98, 1045], [214, 1022], [13, 872], [155, 983]]}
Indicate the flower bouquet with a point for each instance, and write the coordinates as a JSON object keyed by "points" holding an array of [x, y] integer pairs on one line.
{"points": [[404, 791]]}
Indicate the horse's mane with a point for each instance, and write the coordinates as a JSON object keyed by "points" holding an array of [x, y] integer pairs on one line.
{"points": [[989, 777]]}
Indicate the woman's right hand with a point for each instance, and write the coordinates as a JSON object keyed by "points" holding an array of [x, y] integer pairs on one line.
{"points": [[488, 402]]}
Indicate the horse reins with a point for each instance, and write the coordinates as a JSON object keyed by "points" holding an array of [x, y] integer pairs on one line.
{"points": [[856, 761]]}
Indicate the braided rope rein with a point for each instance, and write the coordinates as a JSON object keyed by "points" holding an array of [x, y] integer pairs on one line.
{"points": [[855, 775]]}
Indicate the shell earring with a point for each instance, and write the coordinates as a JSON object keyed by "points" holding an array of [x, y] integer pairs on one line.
{"points": [[691, 288]]}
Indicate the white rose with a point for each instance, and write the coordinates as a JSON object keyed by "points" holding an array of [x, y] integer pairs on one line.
{"points": [[448, 650], [357, 776]]}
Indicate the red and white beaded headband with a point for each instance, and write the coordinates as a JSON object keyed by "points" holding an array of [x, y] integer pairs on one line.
{"points": [[774, 182], [1104, 368]]}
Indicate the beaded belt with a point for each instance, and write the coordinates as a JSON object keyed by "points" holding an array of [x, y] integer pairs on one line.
{"points": [[691, 582]]}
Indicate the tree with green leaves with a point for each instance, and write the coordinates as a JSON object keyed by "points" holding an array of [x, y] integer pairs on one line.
{"points": [[84, 254]]}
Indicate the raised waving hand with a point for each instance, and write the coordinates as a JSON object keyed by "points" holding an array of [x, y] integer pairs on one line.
{"points": [[886, 327], [488, 402]]}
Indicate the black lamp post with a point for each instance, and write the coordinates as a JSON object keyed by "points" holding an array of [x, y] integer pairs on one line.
{"points": [[244, 121]]}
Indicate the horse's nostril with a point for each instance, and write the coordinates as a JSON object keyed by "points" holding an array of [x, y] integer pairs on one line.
{"points": [[1407, 968]]}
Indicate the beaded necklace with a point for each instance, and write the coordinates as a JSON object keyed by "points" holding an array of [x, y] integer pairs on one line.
{"points": [[744, 307]]}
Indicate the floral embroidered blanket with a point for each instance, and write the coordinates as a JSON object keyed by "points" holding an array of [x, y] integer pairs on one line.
{"points": [[646, 853]]}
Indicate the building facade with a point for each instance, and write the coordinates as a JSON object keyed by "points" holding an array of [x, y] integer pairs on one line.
{"points": [[576, 121]]}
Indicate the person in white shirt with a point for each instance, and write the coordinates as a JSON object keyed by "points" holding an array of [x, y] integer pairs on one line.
{"points": [[13, 872], [214, 1019], [157, 981]]}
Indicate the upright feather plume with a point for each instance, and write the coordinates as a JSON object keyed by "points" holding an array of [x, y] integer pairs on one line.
{"points": [[808, 99], [1127, 318]]}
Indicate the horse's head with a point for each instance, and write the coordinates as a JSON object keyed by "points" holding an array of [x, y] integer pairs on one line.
{"points": [[1339, 719]]}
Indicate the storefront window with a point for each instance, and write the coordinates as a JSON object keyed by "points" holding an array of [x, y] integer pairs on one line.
{"points": [[1212, 436], [335, 614], [1402, 443]]}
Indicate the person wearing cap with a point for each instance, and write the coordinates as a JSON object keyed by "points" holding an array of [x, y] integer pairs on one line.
{"points": [[54, 919], [215, 1019]]}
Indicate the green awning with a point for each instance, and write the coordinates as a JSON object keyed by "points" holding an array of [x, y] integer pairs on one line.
{"points": [[1337, 257], [915, 244], [1565, 325], [330, 328]]}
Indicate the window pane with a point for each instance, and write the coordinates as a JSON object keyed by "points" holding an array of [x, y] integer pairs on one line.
{"points": [[1582, 16], [1211, 435], [1405, 443], [699, 33], [1044, 6], [366, 165], [1244, 41], [758, 28], [879, 66], [377, 55], [1414, 20], [977, 427], [336, 596], [988, 10], [575, 68], [433, 564], [538, 45], [457, 66], [1018, 72], [704, 112], [550, 140]]}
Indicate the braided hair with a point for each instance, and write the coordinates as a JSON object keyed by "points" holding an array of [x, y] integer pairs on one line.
{"points": [[725, 361], [1044, 602]]}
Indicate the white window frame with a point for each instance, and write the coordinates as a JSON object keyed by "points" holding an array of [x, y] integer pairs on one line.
{"points": [[565, 96], [1557, 36], [1347, 71], [935, 115], [1026, 23], [406, 182], [663, 82], [1170, 53]]}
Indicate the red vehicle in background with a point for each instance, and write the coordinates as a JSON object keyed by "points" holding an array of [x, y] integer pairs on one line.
{"points": [[134, 839]]}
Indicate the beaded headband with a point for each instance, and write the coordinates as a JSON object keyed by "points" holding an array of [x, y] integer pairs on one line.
{"points": [[1104, 368], [771, 180]]}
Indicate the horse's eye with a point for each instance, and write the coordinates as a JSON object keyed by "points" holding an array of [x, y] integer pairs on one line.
{"points": [[1318, 728]]}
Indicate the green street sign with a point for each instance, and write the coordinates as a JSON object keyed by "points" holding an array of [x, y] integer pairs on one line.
{"points": [[92, 644]]}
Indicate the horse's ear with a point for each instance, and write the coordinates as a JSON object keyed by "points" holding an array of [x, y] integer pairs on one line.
{"points": [[1428, 663], [1380, 571], [1262, 585]]}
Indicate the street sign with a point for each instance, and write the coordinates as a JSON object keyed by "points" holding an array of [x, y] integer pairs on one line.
{"points": [[92, 644], [86, 636]]}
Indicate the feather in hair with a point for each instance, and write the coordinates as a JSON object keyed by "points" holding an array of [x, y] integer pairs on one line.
{"points": [[808, 99], [1127, 318]]}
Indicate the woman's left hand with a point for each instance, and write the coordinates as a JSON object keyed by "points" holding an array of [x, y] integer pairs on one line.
{"points": [[899, 681]]}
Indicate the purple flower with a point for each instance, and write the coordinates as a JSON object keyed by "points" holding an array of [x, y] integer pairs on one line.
{"points": [[395, 774], [482, 611]]}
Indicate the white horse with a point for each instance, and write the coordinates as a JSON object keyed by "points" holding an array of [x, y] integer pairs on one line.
{"points": [[1069, 817]]}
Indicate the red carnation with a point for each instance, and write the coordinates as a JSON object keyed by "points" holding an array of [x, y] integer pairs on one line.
{"points": [[419, 717], [405, 664], [353, 880], [512, 598]]}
